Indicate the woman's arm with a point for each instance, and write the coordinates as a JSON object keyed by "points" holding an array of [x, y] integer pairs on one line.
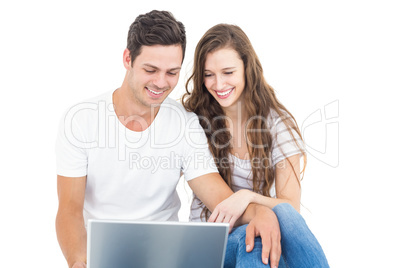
{"points": [[287, 186]]}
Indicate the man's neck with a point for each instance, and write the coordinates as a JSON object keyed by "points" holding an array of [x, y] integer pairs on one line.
{"points": [[132, 114]]}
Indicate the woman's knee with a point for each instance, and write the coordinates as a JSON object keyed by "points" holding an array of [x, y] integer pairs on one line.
{"points": [[289, 219], [285, 211], [238, 233], [284, 206]]}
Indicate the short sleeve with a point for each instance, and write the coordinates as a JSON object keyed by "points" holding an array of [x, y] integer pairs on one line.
{"points": [[286, 142], [197, 158], [71, 158]]}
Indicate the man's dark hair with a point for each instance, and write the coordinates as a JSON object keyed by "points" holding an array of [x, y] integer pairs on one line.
{"points": [[155, 28]]}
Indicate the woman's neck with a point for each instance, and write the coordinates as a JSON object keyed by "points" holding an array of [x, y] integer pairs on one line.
{"points": [[236, 112], [236, 118]]}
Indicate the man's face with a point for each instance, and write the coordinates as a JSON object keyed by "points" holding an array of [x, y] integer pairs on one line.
{"points": [[154, 73]]}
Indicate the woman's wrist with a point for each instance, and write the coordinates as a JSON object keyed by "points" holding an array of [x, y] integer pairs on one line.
{"points": [[254, 197], [249, 196]]}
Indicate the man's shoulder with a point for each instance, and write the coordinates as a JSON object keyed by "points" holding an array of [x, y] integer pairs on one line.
{"points": [[105, 97], [175, 107], [172, 102], [88, 110]]}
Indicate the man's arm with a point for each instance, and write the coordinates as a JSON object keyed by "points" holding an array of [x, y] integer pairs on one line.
{"points": [[211, 189], [70, 227], [287, 186]]}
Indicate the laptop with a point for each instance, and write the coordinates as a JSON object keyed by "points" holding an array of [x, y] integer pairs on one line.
{"points": [[145, 244]]}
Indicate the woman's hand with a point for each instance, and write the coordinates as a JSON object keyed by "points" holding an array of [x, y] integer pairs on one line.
{"points": [[230, 209]]}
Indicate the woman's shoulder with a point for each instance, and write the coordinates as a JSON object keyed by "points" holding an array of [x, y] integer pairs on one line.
{"points": [[277, 120]]}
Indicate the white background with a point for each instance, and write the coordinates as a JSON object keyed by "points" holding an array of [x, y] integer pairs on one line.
{"points": [[342, 55]]}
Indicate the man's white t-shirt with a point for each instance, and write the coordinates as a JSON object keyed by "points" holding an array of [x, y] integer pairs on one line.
{"points": [[131, 175]]}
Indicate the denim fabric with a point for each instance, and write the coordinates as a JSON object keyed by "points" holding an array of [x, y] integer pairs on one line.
{"points": [[236, 255], [300, 248]]}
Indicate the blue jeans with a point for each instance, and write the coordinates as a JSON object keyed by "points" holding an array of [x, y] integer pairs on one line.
{"points": [[300, 248]]}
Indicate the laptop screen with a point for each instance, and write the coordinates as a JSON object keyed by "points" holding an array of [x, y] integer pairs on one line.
{"points": [[118, 244]]}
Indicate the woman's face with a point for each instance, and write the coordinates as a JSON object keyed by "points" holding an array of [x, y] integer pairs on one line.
{"points": [[224, 76]]}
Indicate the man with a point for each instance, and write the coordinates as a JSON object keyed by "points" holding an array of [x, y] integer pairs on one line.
{"points": [[120, 155]]}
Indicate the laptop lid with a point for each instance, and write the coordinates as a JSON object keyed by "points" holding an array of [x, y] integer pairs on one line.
{"points": [[120, 244]]}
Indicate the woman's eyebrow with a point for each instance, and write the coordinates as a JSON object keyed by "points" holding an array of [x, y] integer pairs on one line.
{"points": [[224, 69]]}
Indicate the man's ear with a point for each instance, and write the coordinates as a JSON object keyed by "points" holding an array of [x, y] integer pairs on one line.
{"points": [[127, 59]]}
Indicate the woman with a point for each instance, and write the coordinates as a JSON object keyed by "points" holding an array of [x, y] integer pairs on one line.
{"points": [[256, 144]]}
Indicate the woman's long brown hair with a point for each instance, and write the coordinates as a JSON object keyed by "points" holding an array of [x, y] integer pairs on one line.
{"points": [[259, 102]]}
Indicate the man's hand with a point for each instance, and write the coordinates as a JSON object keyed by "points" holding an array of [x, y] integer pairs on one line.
{"points": [[265, 224], [79, 265]]}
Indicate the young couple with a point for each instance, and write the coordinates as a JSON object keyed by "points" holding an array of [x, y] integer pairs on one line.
{"points": [[249, 172]]}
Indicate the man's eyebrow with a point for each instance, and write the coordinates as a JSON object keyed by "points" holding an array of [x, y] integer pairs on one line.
{"points": [[175, 69], [157, 68]]}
